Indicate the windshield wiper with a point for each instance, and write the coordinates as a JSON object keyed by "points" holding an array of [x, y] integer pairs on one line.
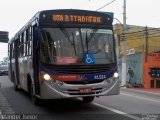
{"points": [[86, 41], [81, 44], [67, 36], [65, 33], [74, 44], [92, 35]]}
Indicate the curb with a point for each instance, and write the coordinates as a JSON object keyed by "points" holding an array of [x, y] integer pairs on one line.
{"points": [[141, 91]]}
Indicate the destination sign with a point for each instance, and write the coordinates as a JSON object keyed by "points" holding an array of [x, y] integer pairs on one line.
{"points": [[77, 18]]}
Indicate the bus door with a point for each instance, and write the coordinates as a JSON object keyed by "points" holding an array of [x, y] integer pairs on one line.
{"points": [[16, 62], [10, 60], [36, 58]]}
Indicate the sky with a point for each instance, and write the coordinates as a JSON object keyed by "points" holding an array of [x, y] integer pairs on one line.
{"points": [[15, 13]]}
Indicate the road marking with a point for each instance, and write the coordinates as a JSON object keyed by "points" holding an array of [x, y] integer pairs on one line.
{"points": [[117, 111], [143, 98], [1, 116]]}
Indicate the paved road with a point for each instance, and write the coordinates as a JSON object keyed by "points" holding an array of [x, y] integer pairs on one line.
{"points": [[129, 105]]}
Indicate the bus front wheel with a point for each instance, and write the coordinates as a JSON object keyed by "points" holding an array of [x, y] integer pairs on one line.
{"points": [[35, 99], [88, 99]]}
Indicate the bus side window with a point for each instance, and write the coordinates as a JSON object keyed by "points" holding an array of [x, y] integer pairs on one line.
{"points": [[13, 50], [28, 42], [30, 36], [51, 47], [21, 45], [26, 51], [24, 43], [45, 46]]}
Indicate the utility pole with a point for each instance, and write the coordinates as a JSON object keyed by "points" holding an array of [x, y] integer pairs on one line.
{"points": [[146, 32], [124, 71]]}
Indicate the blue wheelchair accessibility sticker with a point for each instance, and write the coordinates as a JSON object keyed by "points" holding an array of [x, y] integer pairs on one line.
{"points": [[89, 58]]}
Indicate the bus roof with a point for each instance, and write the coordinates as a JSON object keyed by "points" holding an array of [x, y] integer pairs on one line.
{"points": [[40, 15]]}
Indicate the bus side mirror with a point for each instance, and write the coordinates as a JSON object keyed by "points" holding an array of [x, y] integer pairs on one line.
{"points": [[36, 32], [4, 36]]}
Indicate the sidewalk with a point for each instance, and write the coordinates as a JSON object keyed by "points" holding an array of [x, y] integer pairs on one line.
{"points": [[5, 107], [151, 90]]}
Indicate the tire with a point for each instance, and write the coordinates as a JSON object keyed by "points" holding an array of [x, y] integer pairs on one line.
{"points": [[16, 88], [35, 100], [88, 99]]}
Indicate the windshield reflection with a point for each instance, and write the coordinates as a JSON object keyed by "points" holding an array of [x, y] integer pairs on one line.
{"points": [[75, 45]]}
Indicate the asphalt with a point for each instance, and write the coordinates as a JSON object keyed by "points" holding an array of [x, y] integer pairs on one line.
{"points": [[116, 101]]}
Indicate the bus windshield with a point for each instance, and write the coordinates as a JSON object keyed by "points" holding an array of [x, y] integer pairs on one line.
{"points": [[71, 45]]}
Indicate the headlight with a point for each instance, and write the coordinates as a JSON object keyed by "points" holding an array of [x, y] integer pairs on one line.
{"points": [[115, 75], [47, 77]]}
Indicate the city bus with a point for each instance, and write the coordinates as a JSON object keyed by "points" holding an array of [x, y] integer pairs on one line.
{"points": [[65, 53]]}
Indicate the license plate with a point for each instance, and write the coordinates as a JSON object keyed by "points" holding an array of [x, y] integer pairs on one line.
{"points": [[85, 90]]}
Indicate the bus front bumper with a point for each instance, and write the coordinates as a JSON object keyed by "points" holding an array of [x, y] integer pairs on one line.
{"points": [[50, 90]]}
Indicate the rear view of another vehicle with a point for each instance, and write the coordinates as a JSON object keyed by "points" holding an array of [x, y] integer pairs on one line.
{"points": [[3, 69]]}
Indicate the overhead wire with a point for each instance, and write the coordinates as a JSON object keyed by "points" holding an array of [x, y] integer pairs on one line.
{"points": [[153, 32], [106, 5], [140, 35]]}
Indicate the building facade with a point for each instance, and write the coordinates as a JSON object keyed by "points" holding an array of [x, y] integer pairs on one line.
{"points": [[141, 42]]}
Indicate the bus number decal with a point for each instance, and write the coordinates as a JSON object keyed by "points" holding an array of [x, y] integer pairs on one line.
{"points": [[100, 77]]}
